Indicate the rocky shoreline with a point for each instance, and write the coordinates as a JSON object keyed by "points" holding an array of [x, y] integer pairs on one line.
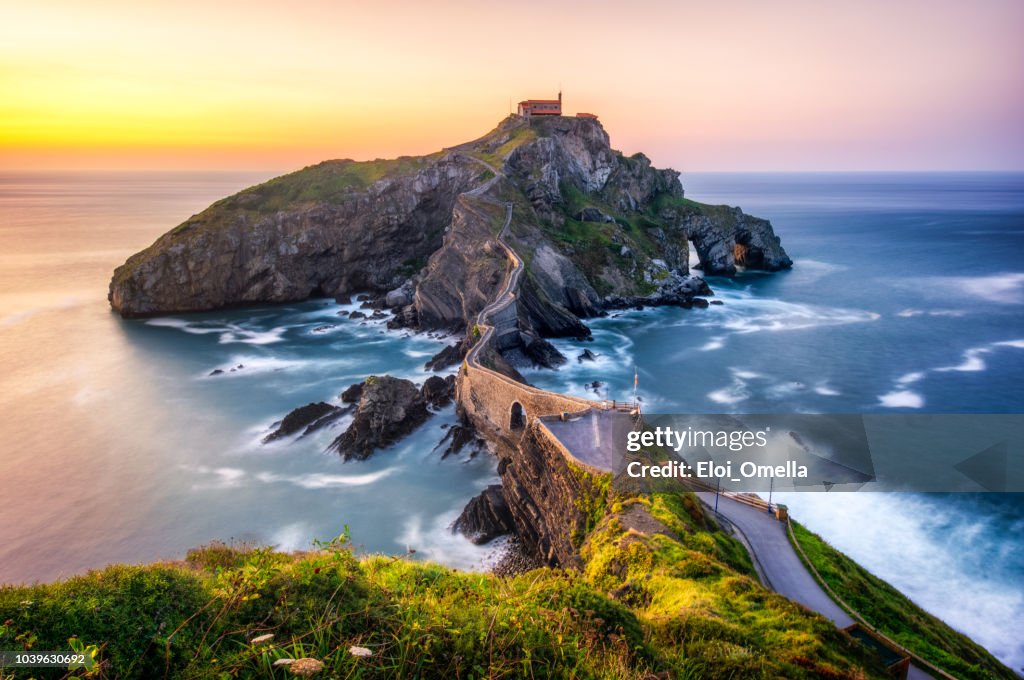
{"points": [[424, 238]]}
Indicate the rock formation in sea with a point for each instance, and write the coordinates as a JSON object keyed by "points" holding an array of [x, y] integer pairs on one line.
{"points": [[596, 228]]}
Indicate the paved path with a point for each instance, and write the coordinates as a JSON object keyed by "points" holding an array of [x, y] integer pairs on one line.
{"points": [[590, 437], [778, 563]]}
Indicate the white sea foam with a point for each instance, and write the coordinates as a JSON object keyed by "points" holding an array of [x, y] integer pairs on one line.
{"points": [[733, 394], [1003, 288], [219, 477], [1019, 344], [972, 361], [743, 313], [717, 342], [910, 378], [319, 480], [824, 390], [901, 399], [908, 313], [229, 333], [930, 553], [434, 540]]}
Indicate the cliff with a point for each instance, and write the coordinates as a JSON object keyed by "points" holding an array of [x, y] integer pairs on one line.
{"points": [[596, 229], [661, 594]]}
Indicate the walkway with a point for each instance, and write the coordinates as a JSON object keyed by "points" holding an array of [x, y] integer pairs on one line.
{"points": [[589, 439], [777, 562]]}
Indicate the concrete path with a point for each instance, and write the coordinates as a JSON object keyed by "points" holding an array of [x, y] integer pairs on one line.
{"points": [[590, 438], [781, 567]]}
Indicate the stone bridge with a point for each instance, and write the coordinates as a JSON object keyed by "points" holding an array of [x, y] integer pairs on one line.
{"points": [[503, 407]]}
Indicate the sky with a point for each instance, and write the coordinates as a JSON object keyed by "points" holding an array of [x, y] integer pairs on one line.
{"points": [[729, 85]]}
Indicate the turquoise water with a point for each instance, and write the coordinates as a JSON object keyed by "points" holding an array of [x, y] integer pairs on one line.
{"points": [[118, 444], [907, 296]]}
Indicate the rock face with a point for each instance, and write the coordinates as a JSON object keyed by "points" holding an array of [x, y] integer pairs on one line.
{"points": [[734, 239], [329, 229], [389, 409], [594, 226], [303, 417], [485, 517], [438, 391]]}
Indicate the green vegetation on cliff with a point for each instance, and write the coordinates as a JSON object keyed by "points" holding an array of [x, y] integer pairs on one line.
{"points": [[887, 609], [661, 591]]}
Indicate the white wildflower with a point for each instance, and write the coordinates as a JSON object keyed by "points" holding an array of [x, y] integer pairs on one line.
{"points": [[359, 651], [260, 639]]}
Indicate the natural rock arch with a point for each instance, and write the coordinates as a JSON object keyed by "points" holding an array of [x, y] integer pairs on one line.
{"points": [[516, 417]]}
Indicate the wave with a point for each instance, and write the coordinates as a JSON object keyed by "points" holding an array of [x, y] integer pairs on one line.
{"points": [[434, 540], [901, 399], [1002, 288], [973, 362], [320, 480], [933, 550], [228, 333]]}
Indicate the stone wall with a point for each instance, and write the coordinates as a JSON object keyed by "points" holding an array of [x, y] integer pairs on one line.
{"points": [[487, 398], [545, 496]]}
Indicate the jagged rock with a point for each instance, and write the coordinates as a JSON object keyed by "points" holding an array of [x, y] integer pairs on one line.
{"points": [[389, 409], [542, 353], [300, 418], [447, 357], [262, 245], [356, 314], [216, 371], [458, 437], [586, 355], [728, 238], [352, 393], [404, 318], [485, 517], [343, 299], [438, 391], [401, 296], [239, 251]]}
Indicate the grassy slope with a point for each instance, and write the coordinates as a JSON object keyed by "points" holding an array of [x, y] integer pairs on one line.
{"points": [[642, 604], [891, 612]]}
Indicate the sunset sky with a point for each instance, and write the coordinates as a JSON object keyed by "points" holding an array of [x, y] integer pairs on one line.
{"points": [[726, 85]]}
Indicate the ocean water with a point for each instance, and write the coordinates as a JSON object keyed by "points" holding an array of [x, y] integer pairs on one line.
{"points": [[118, 444], [907, 296]]}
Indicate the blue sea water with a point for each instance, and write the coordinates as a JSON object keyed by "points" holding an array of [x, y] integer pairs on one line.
{"points": [[118, 445], [907, 295]]}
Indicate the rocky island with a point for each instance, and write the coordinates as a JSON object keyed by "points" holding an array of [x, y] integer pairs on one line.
{"points": [[518, 236]]}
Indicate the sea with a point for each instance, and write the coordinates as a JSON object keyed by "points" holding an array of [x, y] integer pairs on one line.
{"points": [[120, 443]]}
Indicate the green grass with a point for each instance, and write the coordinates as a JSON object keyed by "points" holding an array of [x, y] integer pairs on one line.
{"points": [[686, 606], [699, 605], [890, 611]]}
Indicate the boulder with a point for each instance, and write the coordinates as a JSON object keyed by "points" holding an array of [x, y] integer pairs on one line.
{"points": [[352, 393], [389, 409], [438, 391], [302, 417], [485, 517]]}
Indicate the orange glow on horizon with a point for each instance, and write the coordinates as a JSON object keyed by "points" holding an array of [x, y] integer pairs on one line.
{"points": [[795, 85]]}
